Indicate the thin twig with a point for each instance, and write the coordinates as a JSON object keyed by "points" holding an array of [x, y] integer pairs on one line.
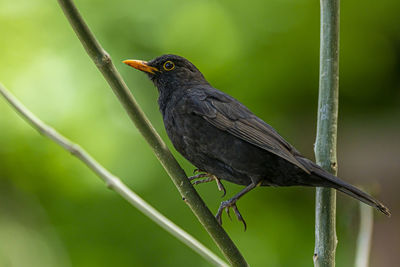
{"points": [[325, 145], [364, 239], [178, 176], [112, 181]]}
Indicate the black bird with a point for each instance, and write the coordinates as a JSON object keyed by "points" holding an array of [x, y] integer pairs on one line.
{"points": [[225, 140]]}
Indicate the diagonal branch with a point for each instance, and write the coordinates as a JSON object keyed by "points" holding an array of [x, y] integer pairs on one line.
{"points": [[107, 68], [112, 181]]}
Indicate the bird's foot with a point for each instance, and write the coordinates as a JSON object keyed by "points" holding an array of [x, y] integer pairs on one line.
{"points": [[226, 205], [209, 178], [196, 171]]}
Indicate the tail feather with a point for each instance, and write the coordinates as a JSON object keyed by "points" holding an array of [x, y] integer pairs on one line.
{"points": [[334, 182], [360, 195]]}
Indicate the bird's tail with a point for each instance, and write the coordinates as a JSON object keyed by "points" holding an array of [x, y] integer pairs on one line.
{"points": [[330, 180]]}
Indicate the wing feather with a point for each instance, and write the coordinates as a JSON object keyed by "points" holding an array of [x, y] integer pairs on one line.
{"points": [[229, 115]]}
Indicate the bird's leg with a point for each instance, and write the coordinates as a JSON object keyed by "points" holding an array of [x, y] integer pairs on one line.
{"points": [[231, 203], [210, 178]]}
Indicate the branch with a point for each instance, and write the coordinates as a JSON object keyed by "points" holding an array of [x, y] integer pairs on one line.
{"points": [[325, 145], [112, 181], [178, 176], [364, 236]]}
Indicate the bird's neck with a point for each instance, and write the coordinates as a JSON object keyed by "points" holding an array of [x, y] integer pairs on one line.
{"points": [[170, 94], [169, 97]]}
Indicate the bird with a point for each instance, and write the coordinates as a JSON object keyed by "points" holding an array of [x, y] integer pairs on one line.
{"points": [[224, 140]]}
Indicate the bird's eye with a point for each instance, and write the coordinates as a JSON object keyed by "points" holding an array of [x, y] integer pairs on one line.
{"points": [[169, 65]]}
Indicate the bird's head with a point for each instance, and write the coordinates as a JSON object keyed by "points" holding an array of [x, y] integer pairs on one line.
{"points": [[169, 72]]}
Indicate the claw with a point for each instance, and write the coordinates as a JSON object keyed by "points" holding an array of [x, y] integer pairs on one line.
{"points": [[229, 214], [231, 203], [219, 213], [203, 181], [209, 179], [220, 186], [197, 176], [196, 171], [239, 216], [226, 205]]}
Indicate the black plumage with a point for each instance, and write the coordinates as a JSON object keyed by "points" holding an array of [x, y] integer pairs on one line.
{"points": [[225, 140]]}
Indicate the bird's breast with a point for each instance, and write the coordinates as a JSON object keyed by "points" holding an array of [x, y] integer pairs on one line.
{"points": [[207, 147]]}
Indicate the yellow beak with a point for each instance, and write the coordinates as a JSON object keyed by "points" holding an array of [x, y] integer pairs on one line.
{"points": [[140, 65]]}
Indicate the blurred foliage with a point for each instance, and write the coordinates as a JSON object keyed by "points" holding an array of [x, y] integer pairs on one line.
{"points": [[54, 211]]}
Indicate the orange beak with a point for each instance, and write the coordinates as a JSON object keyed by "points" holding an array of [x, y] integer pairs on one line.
{"points": [[140, 65]]}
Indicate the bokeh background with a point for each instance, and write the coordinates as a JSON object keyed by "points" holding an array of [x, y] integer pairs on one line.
{"points": [[55, 212]]}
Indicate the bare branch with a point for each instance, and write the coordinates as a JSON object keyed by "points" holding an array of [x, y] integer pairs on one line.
{"points": [[112, 181]]}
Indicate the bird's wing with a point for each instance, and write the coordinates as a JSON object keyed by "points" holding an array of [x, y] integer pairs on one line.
{"points": [[228, 114]]}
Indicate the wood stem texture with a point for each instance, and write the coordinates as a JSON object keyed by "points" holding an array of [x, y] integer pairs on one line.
{"points": [[325, 145]]}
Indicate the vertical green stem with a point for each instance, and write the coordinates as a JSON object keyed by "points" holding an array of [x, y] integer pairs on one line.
{"points": [[325, 146], [364, 239]]}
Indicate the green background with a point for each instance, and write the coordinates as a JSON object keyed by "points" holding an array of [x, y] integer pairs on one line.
{"points": [[55, 212]]}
